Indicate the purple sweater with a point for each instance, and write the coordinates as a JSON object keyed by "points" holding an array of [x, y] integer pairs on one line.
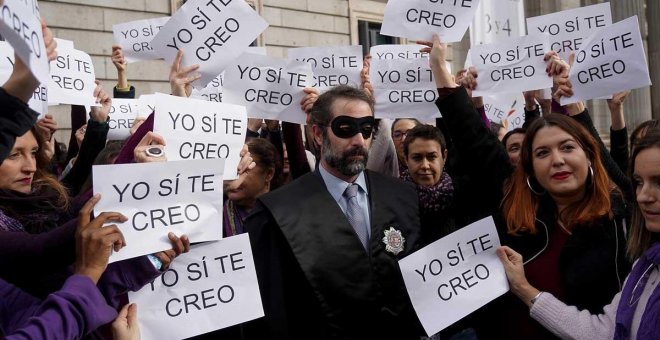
{"points": [[53, 252], [70, 313]]}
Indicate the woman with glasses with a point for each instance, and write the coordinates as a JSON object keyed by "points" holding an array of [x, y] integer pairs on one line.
{"points": [[400, 128]]}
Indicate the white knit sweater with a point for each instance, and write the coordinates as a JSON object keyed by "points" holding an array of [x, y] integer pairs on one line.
{"points": [[567, 322]]}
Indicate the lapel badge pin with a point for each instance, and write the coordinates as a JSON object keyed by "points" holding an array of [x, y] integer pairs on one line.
{"points": [[394, 241]]}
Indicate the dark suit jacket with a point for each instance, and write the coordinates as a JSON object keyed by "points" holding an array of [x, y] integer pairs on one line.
{"points": [[316, 279]]}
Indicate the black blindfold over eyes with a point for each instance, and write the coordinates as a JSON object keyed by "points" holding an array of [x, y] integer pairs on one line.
{"points": [[347, 127]]}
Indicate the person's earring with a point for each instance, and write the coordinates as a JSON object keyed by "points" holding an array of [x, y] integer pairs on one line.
{"points": [[591, 172], [531, 188]]}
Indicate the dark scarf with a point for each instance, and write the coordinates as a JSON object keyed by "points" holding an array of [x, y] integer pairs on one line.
{"points": [[437, 197], [37, 212], [234, 219], [650, 323]]}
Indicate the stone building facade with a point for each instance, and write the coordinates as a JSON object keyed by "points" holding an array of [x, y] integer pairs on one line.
{"points": [[295, 23]]}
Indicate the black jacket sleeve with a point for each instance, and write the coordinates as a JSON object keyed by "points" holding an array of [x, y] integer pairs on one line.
{"points": [[122, 94], [619, 148], [477, 192], [78, 119], [95, 137], [531, 116], [16, 118]]}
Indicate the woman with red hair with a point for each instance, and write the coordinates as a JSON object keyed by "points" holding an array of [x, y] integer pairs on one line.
{"points": [[559, 209]]}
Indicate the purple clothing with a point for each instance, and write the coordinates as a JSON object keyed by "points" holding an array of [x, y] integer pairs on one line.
{"points": [[484, 117], [52, 253], [126, 154], [233, 218], [295, 149], [70, 313], [649, 325]]}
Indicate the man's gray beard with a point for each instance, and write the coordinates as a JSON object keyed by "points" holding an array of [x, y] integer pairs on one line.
{"points": [[341, 162]]}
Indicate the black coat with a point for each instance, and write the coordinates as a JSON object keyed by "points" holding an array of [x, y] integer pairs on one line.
{"points": [[477, 164], [316, 280], [593, 261]]}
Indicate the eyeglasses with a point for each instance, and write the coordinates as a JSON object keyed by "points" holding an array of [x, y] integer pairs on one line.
{"points": [[347, 127], [397, 135]]}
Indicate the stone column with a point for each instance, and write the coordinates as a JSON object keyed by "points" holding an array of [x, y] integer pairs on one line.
{"points": [[535, 8], [458, 53], [638, 104], [598, 109], [653, 21]]}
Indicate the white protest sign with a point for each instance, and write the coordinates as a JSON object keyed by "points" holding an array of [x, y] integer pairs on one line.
{"points": [[146, 104], [610, 60], [511, 65], [214, 286], [213, 91], [404, 88], [213, 34], [260, 50], [332, 66], [62, 43], [270, 88], [20, 25], [122, 117], [496, 20], [6, 61], [507, 109], [198, 129], [419, 19], [72, 78], [135, 37], [397, 52], [454, 276], [567, 29], [39, 100], [159, 198]]}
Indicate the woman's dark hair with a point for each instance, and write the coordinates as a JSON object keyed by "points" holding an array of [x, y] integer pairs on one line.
{"points": [[106, 156], [43, 178], [495, 128], [640, 238], [265, 155], [641, 130], [322, 110], [417, 122], [425, 132], [511, 133], [109, 153]]}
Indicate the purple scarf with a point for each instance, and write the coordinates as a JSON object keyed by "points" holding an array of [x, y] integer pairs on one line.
{"points": [[650, 323], [434, 198]]}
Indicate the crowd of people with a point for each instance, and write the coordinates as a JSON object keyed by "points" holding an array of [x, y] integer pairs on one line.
{"points": [[580, 222]]}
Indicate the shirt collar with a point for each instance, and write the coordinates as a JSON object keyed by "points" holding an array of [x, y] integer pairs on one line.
{"points": [[337, 186]]}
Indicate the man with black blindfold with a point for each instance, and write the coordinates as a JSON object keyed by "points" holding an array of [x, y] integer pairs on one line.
{"points": [[326, 246]]}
